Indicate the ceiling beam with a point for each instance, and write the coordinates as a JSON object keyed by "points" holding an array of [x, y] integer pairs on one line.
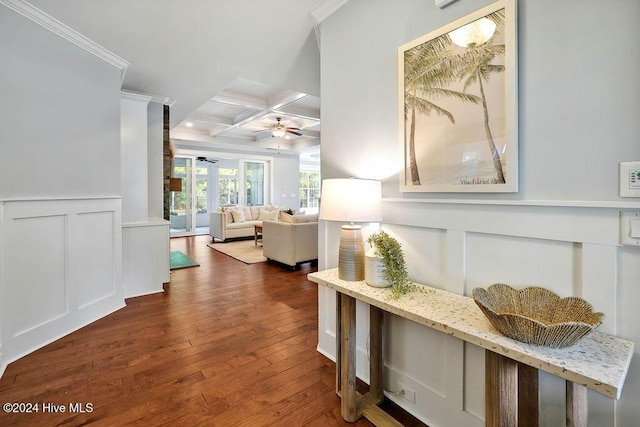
{"points": [[212, 120], [285, 98], [238, 100]]}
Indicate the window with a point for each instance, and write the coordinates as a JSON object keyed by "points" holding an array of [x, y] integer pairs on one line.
{"points": [[201, 189], [178, 198], [228, 187], [309, 190], [254, 181]]}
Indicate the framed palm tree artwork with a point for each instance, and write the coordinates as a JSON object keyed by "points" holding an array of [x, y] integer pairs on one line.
{"points": [[458, 105]]}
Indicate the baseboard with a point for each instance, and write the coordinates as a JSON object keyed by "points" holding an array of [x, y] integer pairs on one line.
{"points": [[326, 354]]}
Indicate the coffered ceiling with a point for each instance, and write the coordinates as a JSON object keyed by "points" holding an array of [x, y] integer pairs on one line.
{"points": [[229, 68], [243, 116]]}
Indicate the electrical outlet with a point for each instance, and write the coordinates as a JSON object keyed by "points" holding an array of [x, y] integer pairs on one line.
{"points": [[407, 393]]}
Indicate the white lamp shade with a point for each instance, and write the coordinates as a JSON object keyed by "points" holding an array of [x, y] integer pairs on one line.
{"points": [[351, 199], [475, 33]]}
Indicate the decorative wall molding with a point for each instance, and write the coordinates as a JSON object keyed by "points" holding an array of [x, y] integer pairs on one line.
{"points": [[145, 257], [57, 27], [559, 223], [60, 269], [135, 97], [548, 203]]}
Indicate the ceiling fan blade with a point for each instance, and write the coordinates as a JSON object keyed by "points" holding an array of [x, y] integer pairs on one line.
{"points": [[298, 129], [289, 130]]}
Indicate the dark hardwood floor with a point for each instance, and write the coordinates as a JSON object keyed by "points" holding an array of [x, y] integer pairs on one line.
{"points": [[227, 344]]}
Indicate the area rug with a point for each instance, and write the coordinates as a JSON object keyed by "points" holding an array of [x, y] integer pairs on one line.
{"points": [[180, 260], [243, 250]]}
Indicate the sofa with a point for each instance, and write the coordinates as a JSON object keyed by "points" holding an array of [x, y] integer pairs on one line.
{"points": [[291, 240], [239, 221]]}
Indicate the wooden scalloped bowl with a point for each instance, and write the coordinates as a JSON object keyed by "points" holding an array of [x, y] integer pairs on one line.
{"points": [[536, 315]]}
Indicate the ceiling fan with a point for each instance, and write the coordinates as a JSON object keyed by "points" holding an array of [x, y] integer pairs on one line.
{"points": [[204, 159], [279, 130]]}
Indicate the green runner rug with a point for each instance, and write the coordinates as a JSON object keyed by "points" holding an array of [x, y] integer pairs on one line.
{"points": [[180, 260]]}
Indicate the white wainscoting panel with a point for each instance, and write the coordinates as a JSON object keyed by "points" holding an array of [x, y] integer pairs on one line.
{"points": [[572, 250], [60, 269], [37, 258], [94, 260], [627, 321], [519, 262], [3, 364], [145, 257]]}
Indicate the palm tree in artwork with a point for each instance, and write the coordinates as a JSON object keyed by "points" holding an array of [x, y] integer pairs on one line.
{"points": [[477, 68], [428, 70]]}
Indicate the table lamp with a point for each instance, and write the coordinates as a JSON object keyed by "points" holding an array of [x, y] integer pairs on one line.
{"points": [[351, 200]]}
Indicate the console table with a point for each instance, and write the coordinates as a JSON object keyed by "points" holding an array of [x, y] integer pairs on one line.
{"points": [[598, 362]]}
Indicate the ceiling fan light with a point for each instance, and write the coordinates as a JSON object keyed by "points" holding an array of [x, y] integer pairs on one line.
{"points": [[278, 133]]}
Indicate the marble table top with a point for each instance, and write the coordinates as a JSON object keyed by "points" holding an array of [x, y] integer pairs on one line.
{"points": [[598, 361]]}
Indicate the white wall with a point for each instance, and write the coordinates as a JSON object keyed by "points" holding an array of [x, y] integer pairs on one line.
{"points": [[578, 102], [60, 209], [155, 133], [286, 182], [56, 99], [134, 157]]}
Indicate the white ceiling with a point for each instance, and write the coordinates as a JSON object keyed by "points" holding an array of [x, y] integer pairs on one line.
{"points": [[230, 67]]}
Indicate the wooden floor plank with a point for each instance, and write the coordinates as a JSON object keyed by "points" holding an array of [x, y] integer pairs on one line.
{"points": [[226, 344]]}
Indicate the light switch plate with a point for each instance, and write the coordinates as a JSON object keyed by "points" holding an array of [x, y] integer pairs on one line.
{"points": [[629, 224], [630, 179]]}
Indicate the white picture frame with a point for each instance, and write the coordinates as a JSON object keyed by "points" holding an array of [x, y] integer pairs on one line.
{"points": [[458, 132]]}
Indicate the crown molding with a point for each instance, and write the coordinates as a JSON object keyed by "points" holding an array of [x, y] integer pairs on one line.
{"points": [[50, 23], [326, 8], [136, 97], [322, 11], [133, 96]]}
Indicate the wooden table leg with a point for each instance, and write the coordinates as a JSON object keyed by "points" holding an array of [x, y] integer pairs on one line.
{"points": [[348, 358], [501, 390], [338, 342], [528, 396], [354, 405], [376, 387], [577, 405]]}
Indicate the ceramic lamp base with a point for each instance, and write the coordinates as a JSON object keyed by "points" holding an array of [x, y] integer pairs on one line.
{"points": [[351, 254]]}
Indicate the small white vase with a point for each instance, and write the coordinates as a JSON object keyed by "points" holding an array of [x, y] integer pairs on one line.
{"points": [[373, 271]]}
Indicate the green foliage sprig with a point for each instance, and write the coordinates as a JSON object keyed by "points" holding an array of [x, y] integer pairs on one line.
{"points": [[394, 267]]}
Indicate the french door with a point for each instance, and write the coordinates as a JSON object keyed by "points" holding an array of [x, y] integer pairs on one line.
{"points": [[189, 207], [254, 183], [182, 212]]}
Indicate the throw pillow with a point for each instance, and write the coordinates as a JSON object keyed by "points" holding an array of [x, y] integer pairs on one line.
{"points": [[238, 215], [266, 215], [247, 213], [255, 212], [285, 217]]}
